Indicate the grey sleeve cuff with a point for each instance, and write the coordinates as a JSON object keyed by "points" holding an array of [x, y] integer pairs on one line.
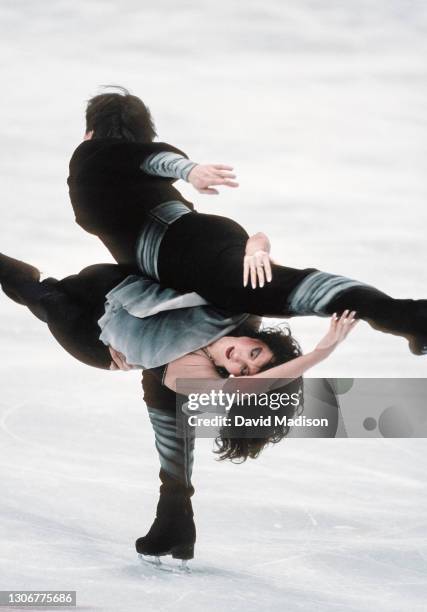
{"points": [[170, 165]]}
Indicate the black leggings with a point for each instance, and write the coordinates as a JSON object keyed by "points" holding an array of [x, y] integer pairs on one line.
{"points": [[71, 308], [204, 253]]}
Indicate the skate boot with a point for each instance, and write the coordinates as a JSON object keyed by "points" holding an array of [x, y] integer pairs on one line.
{"points": [[173, 531], [404, 318], [408, 318], [418, 338], [418, 345], [13, 271]]}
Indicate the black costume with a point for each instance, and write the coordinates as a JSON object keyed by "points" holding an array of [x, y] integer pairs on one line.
{"points": [[107, 171]]}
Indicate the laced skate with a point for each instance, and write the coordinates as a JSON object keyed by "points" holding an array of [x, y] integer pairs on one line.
{"points": [[173, 531]]}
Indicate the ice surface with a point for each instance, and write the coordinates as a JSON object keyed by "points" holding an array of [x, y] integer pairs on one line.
{"points": [[321, 108]]}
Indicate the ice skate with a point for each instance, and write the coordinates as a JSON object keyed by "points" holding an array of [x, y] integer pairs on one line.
{"points": [[159, 564], [406, 318], [418, 345], [171, 534], [173, 531], [15, 271], [418, 338]]}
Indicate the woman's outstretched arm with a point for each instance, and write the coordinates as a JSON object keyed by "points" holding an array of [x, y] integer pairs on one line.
{"points": [[194, 366], [339, 329]]}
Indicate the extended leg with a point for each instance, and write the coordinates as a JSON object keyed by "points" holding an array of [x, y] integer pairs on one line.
{"points": [[173, 531], [294, 292], [71, 322], [323, 294]]}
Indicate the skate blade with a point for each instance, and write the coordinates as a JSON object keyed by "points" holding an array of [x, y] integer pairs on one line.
{"points": [[170, 566]]}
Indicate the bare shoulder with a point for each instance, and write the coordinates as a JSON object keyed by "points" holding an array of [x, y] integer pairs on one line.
{"points": [[192, 365]]}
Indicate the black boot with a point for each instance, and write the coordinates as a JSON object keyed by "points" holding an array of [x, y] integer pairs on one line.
{"points": [[13, 271], [21, 283], [173, 531], [405, 318]]}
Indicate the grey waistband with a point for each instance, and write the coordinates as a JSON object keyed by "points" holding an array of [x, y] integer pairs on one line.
{"points": [[316, 291], [148, 245]]}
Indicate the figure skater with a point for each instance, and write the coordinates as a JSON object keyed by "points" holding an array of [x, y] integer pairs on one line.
{"points": [[121, 189]]}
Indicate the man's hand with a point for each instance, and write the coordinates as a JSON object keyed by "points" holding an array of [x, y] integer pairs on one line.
{"points": [[257, 261], [203, 176], [119, 361]]}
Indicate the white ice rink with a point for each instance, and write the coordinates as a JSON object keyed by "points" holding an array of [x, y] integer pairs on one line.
{"points": [[321, 107]]}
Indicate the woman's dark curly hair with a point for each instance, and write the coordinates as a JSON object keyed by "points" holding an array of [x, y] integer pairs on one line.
{"points": [[230, 443], [120, 115]]}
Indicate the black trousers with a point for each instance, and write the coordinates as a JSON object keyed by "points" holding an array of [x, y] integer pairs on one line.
{"points": [[204, 253], [71, 308]]}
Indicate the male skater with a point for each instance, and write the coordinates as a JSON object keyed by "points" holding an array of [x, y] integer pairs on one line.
{"points": [[119, 167]]}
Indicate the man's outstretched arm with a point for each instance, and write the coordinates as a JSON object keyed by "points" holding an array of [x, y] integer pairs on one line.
{"points": [[203, 177]]}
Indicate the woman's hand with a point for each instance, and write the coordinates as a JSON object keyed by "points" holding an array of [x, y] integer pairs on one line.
{"points": [[339, 329], [119, 361], [257, 261], [203, 176]]}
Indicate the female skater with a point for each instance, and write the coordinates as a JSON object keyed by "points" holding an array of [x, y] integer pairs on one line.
{"points": [[104, 313], [175, 336], [121, 190]]}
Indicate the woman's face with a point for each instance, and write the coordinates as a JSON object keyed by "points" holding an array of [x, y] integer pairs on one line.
{"points": [[241, 356]]}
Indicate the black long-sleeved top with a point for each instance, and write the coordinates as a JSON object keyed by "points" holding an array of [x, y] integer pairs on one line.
{"points": [[111, 194]]}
